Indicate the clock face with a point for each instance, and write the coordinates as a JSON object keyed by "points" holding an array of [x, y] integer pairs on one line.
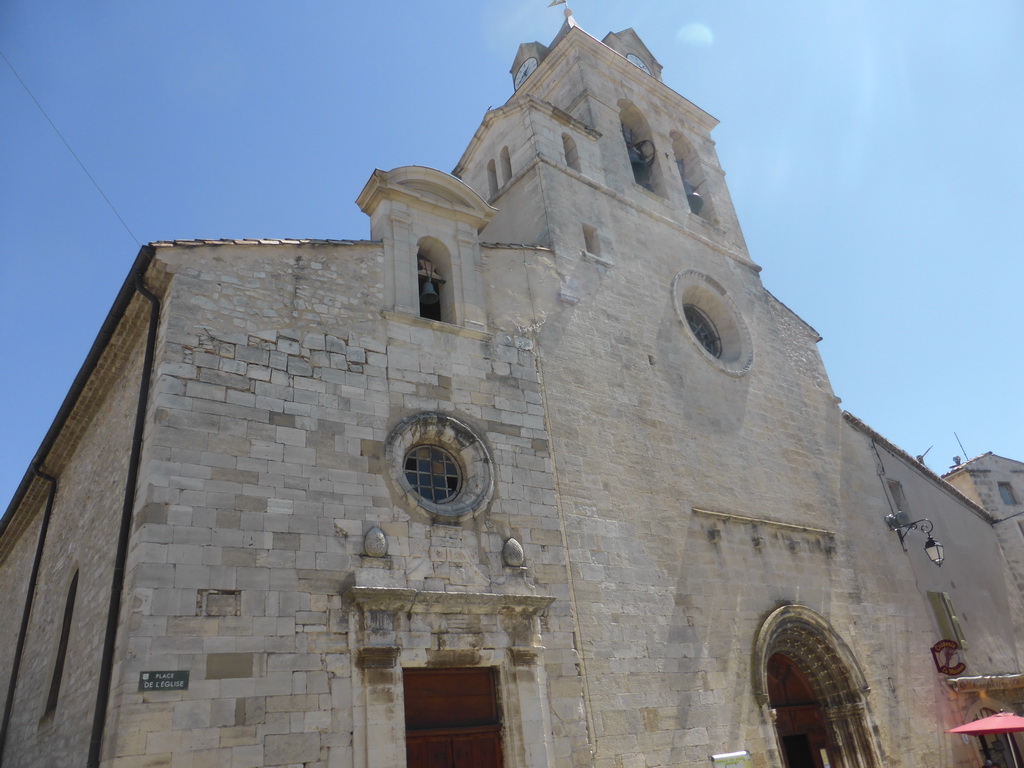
{"points": [[632, 58], [525, 70]]}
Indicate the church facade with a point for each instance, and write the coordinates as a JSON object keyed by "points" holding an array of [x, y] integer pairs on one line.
{"points": [[538, 475]]}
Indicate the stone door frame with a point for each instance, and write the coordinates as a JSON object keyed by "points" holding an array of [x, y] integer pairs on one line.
{"points": [[395, 629], [807, 639]]}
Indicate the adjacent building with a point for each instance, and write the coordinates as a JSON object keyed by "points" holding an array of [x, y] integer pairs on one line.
{"points": [[996, 484], [538, 475]]}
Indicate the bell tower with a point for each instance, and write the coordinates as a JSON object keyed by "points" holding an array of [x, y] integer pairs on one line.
{"points": [[591, 126], [678, 392]]}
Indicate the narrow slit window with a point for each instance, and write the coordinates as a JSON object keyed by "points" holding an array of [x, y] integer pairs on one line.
{"points": [[1006, 493], [572, 157], [62, 648], [492, 178], [896, 491], [506, 166], [591, 241]]}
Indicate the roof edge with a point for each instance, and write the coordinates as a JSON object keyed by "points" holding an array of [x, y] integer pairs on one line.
{"points": [[890, 446], [92, 358], [258, 241], [964, 465], [784, 305]]}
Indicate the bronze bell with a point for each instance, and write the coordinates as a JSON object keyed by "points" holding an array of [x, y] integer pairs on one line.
{"points": [[428, 294], [641, 170], [634, 156], [693, 198]]}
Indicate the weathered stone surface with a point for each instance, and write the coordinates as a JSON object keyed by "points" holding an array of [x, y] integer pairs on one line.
{"points": [[225, 665], [291, 748], [650, 510]]}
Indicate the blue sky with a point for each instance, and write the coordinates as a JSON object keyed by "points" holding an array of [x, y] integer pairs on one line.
{"points": [[873, 151]]}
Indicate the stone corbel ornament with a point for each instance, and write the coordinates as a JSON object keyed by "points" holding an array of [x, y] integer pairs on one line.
{"points": [[379, 657], [375, 543], [525, 657], [512, 553]]}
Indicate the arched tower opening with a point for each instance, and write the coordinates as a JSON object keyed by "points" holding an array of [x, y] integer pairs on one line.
{"points": [[506, 166], [492, 178], [640, 149], [692, 174], [434, 272]]}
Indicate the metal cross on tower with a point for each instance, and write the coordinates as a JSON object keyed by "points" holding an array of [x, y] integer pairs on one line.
{"points": [[568, 11]]}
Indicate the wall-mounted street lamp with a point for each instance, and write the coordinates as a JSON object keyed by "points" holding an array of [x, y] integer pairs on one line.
{"points": [[932, 547]]}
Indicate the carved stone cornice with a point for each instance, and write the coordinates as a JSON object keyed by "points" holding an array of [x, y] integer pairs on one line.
{"points": [[397, 600], [987, 682]]}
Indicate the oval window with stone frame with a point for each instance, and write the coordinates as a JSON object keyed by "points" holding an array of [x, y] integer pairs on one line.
{"points": [[703, 329]]}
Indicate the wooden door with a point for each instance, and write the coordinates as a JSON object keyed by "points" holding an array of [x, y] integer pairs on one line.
{"points": [[452, 719], [799, 718], [798, 751]]}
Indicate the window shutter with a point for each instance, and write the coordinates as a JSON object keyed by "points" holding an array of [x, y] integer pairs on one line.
{"points": [[946, 616], [960, 638]]}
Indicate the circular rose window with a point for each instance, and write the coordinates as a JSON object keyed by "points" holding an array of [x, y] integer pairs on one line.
{"points": [[433, 473], [712, 322], [703, 329], [439, 466]]}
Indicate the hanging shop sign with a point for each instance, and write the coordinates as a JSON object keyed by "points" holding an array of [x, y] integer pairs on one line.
{"points": [[946, 654]]}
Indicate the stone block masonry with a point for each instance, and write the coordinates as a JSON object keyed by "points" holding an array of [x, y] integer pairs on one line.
{"points": [[263, 469]]}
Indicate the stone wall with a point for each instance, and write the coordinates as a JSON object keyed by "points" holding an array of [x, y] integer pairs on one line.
{"points": [[15, 571], [82, 537], [979, 480], [643, 519], [266, 465]]}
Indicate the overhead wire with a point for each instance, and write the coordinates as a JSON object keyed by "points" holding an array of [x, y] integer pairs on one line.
{"points": [[205, 330], [72, 151]]}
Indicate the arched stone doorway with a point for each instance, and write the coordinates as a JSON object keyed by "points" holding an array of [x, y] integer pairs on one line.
{"points": [[812, 691]]}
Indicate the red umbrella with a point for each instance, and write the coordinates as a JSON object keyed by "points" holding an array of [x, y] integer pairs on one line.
{"points": [[1004, 722]]}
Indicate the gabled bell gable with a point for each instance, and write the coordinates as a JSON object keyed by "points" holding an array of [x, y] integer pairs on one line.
{"points": [[628, 41], [421, 213]]}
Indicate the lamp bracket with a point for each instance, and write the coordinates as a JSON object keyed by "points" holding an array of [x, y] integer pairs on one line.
{"points": [[924, 525]]}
